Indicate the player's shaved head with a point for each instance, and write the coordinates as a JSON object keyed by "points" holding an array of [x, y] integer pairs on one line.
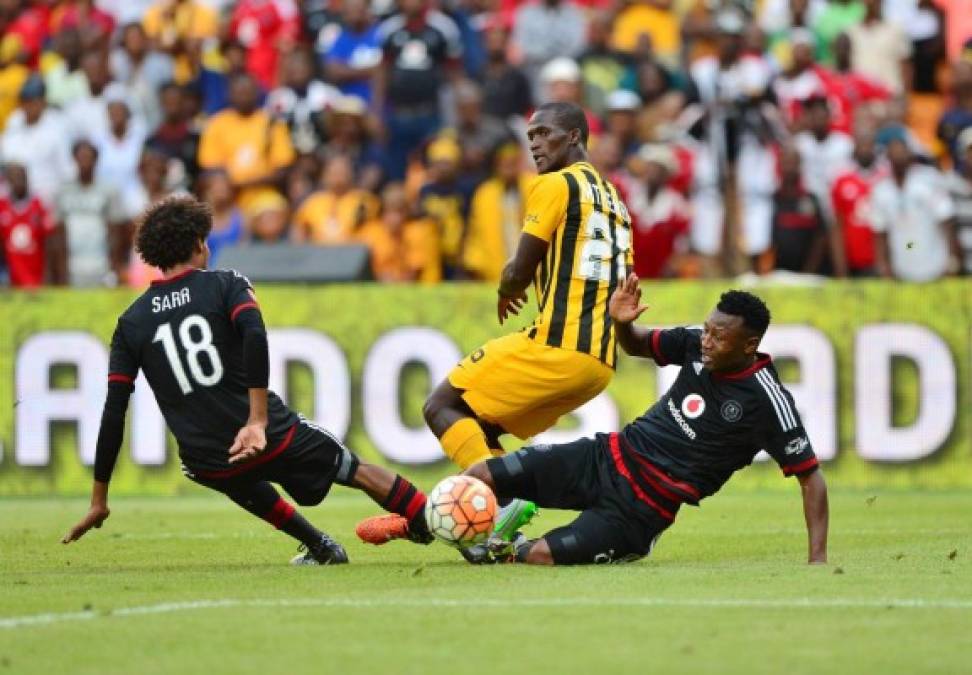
{"points": [[568, 116], [557, 133], [172, 231]]}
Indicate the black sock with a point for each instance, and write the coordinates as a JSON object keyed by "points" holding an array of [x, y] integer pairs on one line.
{"points": [[300, 529], [285, 518], [407, 500]]}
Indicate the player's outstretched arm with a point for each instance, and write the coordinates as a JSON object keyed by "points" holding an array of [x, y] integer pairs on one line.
{"points": [[518, 275], [625, 307], [817, 514], [110, 436]]}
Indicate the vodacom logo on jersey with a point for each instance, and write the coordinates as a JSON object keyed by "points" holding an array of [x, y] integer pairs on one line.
{"points": [[693, 406]]}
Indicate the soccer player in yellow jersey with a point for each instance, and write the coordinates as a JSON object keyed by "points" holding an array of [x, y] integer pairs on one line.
{"points": [[575, 248]]}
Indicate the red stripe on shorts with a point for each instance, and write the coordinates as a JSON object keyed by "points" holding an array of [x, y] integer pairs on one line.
{"points": [[639, 493], [258, 460]]}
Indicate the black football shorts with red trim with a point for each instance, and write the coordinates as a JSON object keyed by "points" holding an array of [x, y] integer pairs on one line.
{"points": [[305, 463], [613, 526]]}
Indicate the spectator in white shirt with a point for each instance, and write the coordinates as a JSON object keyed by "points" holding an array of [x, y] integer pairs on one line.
{"points": [[880, 49], [913, 219], [64, 78], [824, 153], [959, 183], [142, 71], [91, 243], [88, 115], [301, 100], [545, 30], [119, 148], [36, 137]]}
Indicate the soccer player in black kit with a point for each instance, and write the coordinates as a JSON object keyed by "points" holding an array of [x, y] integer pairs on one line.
{"points": [[199, 338], [725, 406]]}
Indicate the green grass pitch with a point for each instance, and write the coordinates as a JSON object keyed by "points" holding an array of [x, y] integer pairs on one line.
{"points": [[194, 585]]}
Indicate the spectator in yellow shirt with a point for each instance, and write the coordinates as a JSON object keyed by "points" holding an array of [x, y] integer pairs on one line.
{"points": [[403, 249], [247, 143], [653, 18], [496, 215], [180, 27], [13, 74], [333, 214]]}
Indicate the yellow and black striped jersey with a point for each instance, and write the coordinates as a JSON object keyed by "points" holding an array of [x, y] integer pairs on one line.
{"points": [[589, 231]]}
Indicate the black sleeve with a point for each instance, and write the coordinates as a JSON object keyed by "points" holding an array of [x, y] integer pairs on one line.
{"points": [[670, 346], [244, 312], [112, 431], [123, 363], [256, 353], [122, 370], [238, 295], [784, 437]]}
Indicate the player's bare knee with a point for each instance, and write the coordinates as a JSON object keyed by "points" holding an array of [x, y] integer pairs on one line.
{"points": [[443, 408], [432, 409], [538, 554]]}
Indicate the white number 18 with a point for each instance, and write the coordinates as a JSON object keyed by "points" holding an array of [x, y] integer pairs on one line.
{"points": [[193, 349]]}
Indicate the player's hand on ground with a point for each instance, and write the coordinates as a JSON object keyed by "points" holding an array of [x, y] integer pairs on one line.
{"points": [[250, 441], [625, 304], [95, 516], [507, 307]]}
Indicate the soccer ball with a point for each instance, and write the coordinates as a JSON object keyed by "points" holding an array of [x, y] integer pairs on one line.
{"points": [[461, 511]]}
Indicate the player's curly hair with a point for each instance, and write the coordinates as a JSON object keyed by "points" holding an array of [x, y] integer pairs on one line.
{"points": [[170, 230], [754, 312]]}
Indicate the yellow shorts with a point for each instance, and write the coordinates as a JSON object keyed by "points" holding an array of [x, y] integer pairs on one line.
{"points": [[524, 386]]}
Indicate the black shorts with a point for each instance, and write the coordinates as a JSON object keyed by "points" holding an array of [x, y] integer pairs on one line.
{"points": [[305, 467], [614, 526]]}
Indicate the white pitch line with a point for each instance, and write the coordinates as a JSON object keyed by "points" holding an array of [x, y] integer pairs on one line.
{"points": [[384, 603]]}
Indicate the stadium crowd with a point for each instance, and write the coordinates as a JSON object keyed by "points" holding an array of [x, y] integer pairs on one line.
{"points": [[776, 136]]}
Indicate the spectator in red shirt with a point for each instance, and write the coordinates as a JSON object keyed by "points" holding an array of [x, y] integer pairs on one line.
{"points": [[28, 24], [95, 25], [850, 197], [846, 89], [659, 214], [24, 228], [267, 28]]}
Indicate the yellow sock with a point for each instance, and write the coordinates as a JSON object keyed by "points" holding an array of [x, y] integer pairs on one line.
{"points": [[465, 443]]}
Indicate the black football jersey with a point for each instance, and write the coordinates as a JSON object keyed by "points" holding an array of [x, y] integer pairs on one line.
{"points": [[181, 334], [709, 425]]}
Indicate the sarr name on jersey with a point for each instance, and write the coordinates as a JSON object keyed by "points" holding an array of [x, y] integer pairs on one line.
{"points": [[683, 425], [171, 301]]}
